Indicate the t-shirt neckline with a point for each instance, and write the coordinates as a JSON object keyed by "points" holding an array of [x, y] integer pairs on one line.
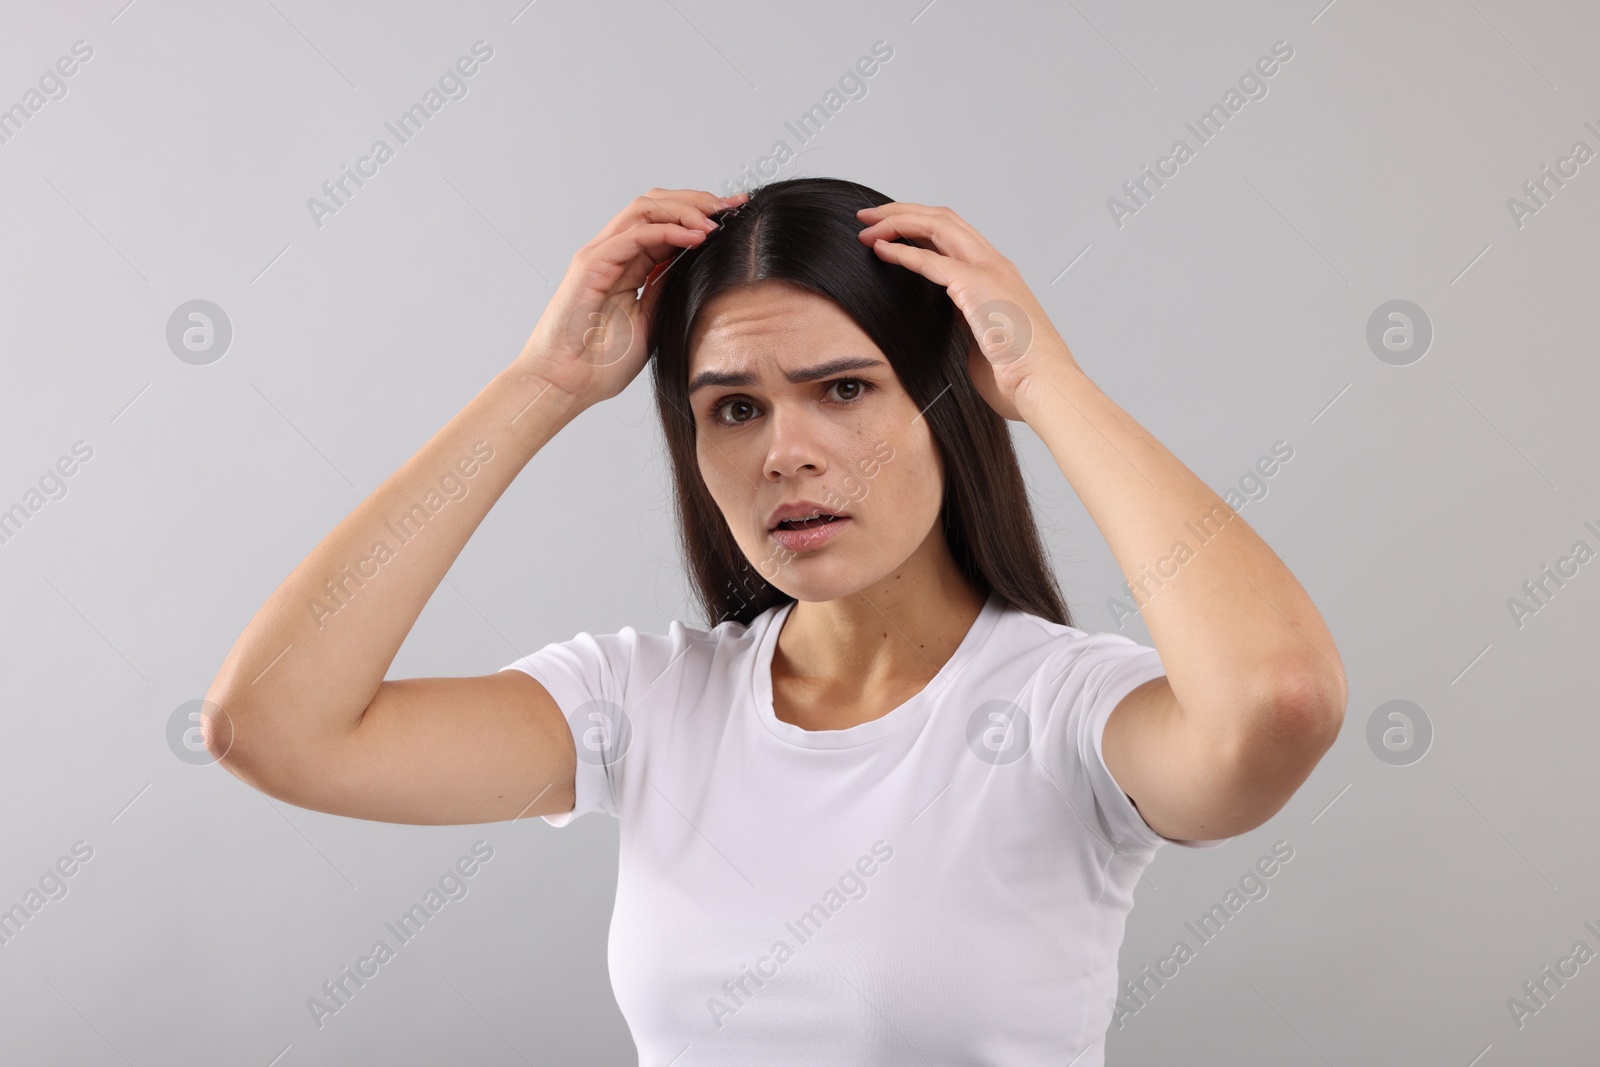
{"points": [[897, 718]]}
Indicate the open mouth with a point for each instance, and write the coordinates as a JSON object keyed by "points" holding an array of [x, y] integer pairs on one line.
{"points": [[806, 524]]}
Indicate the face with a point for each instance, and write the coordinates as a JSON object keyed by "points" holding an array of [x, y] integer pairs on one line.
{"points": [[792, 402]]}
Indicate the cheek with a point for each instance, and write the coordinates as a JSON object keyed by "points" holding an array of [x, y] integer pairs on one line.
{"points": [[716, 471], [731, 489], [904, 474]]}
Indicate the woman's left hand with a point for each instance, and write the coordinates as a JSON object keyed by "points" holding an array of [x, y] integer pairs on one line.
{"points": [[1011, 341]]}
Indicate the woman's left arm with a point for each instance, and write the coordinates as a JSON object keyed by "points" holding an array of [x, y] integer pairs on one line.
{"points": [[1254, 692]]}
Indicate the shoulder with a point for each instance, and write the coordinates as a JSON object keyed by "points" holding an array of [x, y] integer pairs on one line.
{"points": [[1063, 652], [1070, 673], [686, 645], [630, 653]]}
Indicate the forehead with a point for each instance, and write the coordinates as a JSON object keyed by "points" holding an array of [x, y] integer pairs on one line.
{"points": [[770, 320]]}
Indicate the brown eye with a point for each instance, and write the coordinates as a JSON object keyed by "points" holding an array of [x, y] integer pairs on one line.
{"points": [[717, 412], [856, 386]]}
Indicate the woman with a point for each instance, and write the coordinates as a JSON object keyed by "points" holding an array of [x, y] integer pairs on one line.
{"points": [[890, 805]]}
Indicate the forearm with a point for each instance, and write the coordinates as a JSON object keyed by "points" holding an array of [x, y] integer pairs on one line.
{"points": [[1238, 635], [317, 650]]}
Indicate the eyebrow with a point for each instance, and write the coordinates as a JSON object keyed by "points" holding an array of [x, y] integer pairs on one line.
{"points": [[806, 374]]}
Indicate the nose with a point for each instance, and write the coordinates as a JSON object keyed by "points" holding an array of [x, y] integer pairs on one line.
{"points": [[795, 446]]}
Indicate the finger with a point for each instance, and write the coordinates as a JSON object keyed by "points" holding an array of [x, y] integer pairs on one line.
{"points": [[945, 233], [869, 215], [939, 269], [654, 209], [682, 205], [685, 217], [972, 289], [645, 269], [875, 212], [687, 207], [622, 262], [706, 201]]}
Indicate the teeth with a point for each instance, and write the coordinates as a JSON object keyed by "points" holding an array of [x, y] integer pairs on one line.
{"points": [[800, 519]]}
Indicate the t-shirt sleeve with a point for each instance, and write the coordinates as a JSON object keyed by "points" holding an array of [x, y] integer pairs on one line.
{"points": [[587, 677], [1101, 669]]}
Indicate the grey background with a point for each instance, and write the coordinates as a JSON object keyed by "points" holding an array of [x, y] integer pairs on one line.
{"points": [[1229, 313]]}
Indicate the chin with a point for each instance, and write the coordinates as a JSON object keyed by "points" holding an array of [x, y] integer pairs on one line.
{"points": [[817, 579]]}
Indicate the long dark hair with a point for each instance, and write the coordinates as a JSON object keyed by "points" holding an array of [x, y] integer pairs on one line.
{"points": [[803, 231]]}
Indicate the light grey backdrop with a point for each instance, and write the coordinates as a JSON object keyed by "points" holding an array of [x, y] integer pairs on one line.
{"points": [[1229, 312]]}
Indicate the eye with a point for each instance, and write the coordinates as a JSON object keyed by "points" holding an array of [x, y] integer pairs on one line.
{"points": [[854, 389], [734, 401], [861, 388]]}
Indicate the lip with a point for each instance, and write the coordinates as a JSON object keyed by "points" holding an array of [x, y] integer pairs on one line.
{"points": [[799, 509], [816, 537]]}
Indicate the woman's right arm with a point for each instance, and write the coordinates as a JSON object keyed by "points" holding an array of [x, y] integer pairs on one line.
{"points": [[300, 709]]}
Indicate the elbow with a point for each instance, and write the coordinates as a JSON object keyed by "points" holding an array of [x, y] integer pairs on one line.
{"points": [[1305, 707], [218, 734], [222, 726]]}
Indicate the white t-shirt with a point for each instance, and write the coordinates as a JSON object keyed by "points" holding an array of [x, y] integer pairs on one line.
{"points": [[945, 884]]}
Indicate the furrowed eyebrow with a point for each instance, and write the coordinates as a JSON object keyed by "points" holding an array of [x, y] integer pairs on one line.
{"points": [[806, 374]]}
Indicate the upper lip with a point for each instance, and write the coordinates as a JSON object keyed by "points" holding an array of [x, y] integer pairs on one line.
{"points": [[800, 509]]}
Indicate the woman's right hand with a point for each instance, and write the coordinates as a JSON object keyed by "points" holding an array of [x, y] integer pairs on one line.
{"points": [[592, 338]]}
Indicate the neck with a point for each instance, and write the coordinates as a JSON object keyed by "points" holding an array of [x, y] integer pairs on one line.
{"points": [[898, 630]]}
